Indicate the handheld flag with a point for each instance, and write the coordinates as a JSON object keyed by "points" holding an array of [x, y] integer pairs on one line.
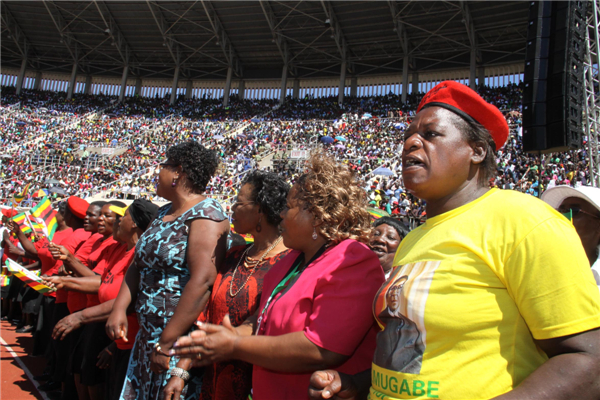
{"points": [[30, 278], [43, 213], [4, 277], [20, 197], [21, 220]]}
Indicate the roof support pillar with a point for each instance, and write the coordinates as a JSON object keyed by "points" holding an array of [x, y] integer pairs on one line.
{"points": [[138, 86], [296, 88], [283, 84], [123, 83], [342, 87], [242, 89], [189, 88], [227, 87], [404, 79], [21, 76], [72, 82], [473, 69], [415, 83], [37, 84], [353, 86], [87, 89], [175, 85], [481, 79]]}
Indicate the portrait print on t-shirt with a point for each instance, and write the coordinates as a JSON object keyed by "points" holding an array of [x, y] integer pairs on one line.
{"points": [[400, 309]]}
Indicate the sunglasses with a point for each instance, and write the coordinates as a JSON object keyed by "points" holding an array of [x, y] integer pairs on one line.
{"points": [[575, 211], [236, 202]]}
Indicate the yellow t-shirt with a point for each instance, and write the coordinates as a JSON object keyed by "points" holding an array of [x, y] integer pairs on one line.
{"points": [[471, 290]]}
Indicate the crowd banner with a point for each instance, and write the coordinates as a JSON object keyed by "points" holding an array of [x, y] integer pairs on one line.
{"points": [[30, 278]]}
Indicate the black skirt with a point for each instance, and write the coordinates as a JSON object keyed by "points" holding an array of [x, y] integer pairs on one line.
{"points": [[61, 347], [117, 373], [30, 300], [14, 288], [93, 340]]}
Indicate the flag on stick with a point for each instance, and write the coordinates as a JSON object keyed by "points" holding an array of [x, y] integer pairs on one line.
{"points": [[43, 212], [20, 197], [21, 220], [30, 278]]}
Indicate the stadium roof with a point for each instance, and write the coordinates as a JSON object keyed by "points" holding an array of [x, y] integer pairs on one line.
{"points": [[256, 38]]}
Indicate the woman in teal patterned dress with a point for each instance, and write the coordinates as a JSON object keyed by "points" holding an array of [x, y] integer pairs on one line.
{"points": [[174, 267]]}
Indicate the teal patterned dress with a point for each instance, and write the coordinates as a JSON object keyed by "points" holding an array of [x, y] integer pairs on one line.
{"points": [[160, 256]]}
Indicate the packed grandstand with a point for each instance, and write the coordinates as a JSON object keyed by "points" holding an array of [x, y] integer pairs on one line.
{"points": [[94, 146]]}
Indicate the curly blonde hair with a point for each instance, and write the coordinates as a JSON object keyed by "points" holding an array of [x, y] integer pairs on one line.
{"points": [[331, 192]]}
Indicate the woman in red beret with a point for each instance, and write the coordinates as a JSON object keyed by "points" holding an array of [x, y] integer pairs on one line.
{"points": [[493, 296]]}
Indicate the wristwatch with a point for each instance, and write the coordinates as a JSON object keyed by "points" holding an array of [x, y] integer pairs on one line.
{"points": [[180, 373]]}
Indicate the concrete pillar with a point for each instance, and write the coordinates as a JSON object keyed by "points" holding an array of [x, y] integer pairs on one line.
{"points": [[138, 86], [175, 85], [283, 84], [188, 89], [473, 69], [242, 89], [481, 79], [296, 88], [342, 87], [21, 76], [87, 89], [37, 84], [404, 79], [415, 83], [72, 82], [353, 86], [227, 87], [123, 83]]}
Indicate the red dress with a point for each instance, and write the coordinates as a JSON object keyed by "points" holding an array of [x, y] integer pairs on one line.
{"points": [[232, 380]]}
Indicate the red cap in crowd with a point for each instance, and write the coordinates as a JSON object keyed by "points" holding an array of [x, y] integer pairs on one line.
{"points": [[78, 206], [465, 102], [8, 213]]}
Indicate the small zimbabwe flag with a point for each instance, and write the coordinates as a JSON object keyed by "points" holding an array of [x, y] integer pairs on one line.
{"points": [[21, 220], [19, 197], [43, 213], [30, 278]]}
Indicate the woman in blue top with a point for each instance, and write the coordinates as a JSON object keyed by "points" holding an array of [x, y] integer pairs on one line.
{"points": [[175, 264]]}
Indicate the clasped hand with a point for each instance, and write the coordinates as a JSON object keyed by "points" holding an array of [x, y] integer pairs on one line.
{"points": [[53, 282], [58, 252], [12, 226], [209, 344]]}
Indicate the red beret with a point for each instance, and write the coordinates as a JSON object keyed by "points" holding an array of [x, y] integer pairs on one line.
{"points": [[78, 206], [8, 213], [465, 102]]}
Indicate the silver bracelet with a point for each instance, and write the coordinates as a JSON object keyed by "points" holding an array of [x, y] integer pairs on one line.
{"points": [[180, 373]]}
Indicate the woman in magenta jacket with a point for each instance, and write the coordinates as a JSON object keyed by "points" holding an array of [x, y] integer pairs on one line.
{"points": [[315, 308]]}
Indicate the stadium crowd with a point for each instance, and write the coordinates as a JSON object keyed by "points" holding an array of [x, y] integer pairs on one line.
{"points": [[309, 182], [366, 134]]}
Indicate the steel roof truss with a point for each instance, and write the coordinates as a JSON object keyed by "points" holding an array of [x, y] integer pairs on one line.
{"points": [[471, 33], [279, 39], [225, 43], [169, 41], [114, 32], [67, 37], [15, 31], [336, 29]]}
